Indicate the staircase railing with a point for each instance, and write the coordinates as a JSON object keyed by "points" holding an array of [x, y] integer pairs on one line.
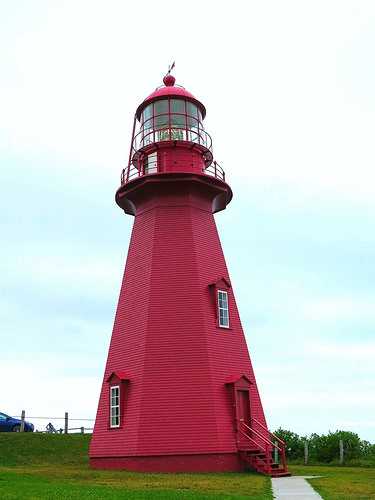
{"points": [[270, 437], [268, 445]]}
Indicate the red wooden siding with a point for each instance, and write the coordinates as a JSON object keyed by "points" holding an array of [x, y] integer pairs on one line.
{"points": [[166, 337]]}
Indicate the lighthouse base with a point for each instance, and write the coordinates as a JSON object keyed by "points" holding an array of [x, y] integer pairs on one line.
{"points": [[212, 462]]}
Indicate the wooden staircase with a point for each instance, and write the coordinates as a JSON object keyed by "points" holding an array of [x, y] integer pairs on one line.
{"points": [[261, 450]]}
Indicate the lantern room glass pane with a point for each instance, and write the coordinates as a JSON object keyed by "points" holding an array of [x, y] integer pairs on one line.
{"points": [[161, 107], [178, 121], [147, 124], [191, 109], [161, 113], [192, 122], [161, 121], [147, 113], [177, 106]]}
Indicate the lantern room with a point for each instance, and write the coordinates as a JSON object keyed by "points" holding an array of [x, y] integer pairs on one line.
{"points": [[169, 135]]}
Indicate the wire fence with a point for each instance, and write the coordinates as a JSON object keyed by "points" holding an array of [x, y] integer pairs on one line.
{"points": [[52, 427]]}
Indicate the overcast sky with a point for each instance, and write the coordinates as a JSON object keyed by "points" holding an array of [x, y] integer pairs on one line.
{"points": [[290, 94]]}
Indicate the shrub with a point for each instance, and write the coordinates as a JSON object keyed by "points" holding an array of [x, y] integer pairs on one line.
{"points": [[325, 448], [294, 443]]}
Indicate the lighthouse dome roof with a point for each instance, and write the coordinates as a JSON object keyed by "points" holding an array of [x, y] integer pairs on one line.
{"points": [[170, 89]]}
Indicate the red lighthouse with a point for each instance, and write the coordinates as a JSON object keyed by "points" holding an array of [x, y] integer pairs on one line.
{"points": [[179, 392]]}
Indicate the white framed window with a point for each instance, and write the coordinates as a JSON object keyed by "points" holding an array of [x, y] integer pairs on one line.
{"points": [[115, 406], [151, 163], [223, 309]]}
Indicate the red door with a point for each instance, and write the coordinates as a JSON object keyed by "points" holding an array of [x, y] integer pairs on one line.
{"points": [[243, 406], [243, 415]]}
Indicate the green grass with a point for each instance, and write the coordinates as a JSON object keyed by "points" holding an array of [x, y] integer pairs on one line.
{"points": [[41, 466], [38, 466], [39, 449], [340, 483]]}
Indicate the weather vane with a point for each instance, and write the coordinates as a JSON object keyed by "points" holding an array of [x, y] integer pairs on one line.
{"points": [[171, 67]]}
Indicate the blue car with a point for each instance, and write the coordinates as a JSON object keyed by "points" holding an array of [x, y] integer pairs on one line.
{"points": [[10, 424]]}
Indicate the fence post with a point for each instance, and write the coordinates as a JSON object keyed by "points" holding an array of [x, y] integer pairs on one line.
{"points": [[341, 445], [22, 428], [306, 452], [66, 423], [276, 453], [82, 430]]}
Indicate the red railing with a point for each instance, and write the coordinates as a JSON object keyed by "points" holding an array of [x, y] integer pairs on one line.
{"points": [[215, 170], [133, 172], [265, 447], [147, 136], [272, 439], [268, 446]]}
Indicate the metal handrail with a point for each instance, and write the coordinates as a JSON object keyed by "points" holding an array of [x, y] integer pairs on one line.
{"points": [[249, 437], [215, 170], [280, 441], [131, 172], [268, 441], [146, 136], [269, 445], [269, 432]]}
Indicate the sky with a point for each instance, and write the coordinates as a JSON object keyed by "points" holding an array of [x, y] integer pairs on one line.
{"points": [[289, 89]]}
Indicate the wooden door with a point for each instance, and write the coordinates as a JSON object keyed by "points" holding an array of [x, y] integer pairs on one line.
{"points": [[243, 403], [243, 417]]}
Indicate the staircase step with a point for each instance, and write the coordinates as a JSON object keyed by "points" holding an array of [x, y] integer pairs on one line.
{"points": [[257, 460]]}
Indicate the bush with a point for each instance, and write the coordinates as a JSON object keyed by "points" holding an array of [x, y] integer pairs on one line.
{"points": [[294, 443], [325, 448], [368, 450]]}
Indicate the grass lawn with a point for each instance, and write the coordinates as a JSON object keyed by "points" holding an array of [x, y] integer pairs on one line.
{"points": [[37, 466], [340, 483]]}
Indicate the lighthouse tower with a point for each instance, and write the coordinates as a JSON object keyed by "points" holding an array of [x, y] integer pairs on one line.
{"points": [[179, 393]]}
